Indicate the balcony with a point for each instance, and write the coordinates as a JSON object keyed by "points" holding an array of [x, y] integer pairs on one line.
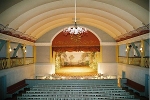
{"points": [[6, 63]]}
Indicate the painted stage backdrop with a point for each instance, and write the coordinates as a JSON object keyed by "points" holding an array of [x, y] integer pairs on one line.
{"points": [[64, 59]]}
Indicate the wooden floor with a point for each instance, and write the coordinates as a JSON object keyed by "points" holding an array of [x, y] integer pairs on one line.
{"points": [[76, 71]]}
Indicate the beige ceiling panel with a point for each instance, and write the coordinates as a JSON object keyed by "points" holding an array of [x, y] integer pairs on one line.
{"points": [[18, 9], [115, 11], [101, 28], [109, 27], [38, 19], [127, 5], [44, 21], [50, 28], [115, 17], [41, 28], [102, 19], [53, 14], [53, 19], [50, 6]]}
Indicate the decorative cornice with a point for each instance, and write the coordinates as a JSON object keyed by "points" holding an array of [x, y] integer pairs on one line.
{"points": [[43, 44], [17, 34], [135, 33], [102, 43], [14, 39], [138, 38], [108, 43]]}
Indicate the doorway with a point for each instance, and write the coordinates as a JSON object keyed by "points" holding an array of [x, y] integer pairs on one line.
{"points": [[3, 87]]}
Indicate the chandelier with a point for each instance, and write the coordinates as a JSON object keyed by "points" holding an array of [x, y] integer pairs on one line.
{"points": [[75, 30]]}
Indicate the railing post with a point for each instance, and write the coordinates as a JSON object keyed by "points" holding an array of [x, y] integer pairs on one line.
{"points": [[127, 53], [101, 60], [54, 53], [117, 53], [142, 50], [34, 54], [24, 54], [51, 55], [8, 48]]}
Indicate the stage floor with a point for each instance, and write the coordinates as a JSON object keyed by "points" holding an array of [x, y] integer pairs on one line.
{"points": [[76, 71]]}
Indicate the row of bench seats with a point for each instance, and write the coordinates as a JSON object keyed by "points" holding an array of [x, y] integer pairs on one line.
{"points": [[15, 88], [136, 87], [49, 91]]}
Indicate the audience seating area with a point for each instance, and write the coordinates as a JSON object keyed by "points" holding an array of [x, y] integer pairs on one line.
{"points": [[136, 87], [68, 90], [15, 88]]}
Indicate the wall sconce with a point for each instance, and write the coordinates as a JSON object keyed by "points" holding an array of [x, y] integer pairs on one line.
{"points": [[128, 47], [141, 49], [24, 49], [10, 49]]}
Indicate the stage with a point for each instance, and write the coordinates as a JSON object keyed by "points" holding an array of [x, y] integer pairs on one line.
{"points": [[76, 71]]}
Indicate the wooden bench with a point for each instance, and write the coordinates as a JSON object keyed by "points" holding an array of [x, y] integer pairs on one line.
{"points": [[136, 87], [15, 88]]}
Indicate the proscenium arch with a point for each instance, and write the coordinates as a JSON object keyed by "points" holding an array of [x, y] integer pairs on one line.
{"points": [[80, 26]]}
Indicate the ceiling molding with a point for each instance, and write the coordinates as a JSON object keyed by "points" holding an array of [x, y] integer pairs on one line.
{"points": [[14, 39], [108, 43], [138, 38], [43, 44]]}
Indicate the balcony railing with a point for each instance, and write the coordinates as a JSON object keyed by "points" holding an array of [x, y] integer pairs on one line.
{"points": [[146, 62], [134, 61], [29, 60], [122, 59], [14, 62], [3, 63]]}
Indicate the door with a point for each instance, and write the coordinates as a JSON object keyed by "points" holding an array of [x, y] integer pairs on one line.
{"points": [[147, 85], [123, 74], [2, 87]]}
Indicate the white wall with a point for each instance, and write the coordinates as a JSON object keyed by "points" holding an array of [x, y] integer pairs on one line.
{"points": [[108, 54], [42, 69], [134, 73], [122, 49], [29, 52], [42, 54], [16, 74], [107, 68]]}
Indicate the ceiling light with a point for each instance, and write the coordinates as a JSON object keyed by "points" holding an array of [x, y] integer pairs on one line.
{"points": [[73, 30]]}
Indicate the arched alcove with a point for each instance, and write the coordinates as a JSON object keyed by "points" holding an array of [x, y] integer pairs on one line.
{"points": [[87, 42]]}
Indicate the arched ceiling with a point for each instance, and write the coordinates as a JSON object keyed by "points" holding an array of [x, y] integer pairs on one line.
{"points": [[36, 17]]}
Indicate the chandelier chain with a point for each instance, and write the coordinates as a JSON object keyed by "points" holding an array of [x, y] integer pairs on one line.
{"points": [[76, 29]]}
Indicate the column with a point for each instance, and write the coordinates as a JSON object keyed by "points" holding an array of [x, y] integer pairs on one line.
{"points": [[34, 54], [142, 50], [24, 54], [8, 53], [51, 55], [127, 53], [117, 53], [100, 60], [54, 53]]}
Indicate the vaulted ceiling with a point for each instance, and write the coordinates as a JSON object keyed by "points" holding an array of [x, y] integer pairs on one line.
{"points": [[37, 17]]}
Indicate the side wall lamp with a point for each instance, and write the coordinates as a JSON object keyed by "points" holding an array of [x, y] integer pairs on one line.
{"points": [[128, 47], [10, 49], [141, 49]]}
